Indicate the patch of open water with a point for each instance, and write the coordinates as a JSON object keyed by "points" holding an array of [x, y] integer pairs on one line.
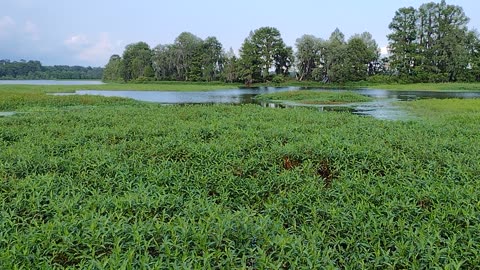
{"points": [[382, 107], [4, 114], [52, 82]]}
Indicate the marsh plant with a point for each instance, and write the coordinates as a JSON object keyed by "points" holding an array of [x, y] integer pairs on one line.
{"points": [[315, 97], [134, 185]]}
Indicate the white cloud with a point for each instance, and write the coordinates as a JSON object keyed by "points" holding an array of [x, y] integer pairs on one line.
{"points": [[9, 29], [77, 41], [31, 30], [7, 24], [92, 51]]}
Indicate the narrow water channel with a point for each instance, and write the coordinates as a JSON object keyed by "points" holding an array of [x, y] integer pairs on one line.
{"points": [[382, 107]]}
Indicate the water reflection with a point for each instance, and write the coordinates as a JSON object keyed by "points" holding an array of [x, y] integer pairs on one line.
{"points": [[4, 114], [413, 95], [382, 107], [52, 82], [229, 96]]}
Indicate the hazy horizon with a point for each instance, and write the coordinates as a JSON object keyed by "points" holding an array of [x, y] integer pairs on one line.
{"points": [[87, 33]]}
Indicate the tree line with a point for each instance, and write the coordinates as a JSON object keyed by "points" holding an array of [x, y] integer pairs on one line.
{"points": [[428, 44], [263, 57], [433, 43], [34, 70]]}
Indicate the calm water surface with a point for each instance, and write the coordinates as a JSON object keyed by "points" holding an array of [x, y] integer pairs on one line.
{"points": [[2, 114], [52, 82], [383, 106]]}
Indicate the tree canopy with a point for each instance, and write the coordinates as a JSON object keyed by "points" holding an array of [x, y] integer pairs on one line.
{"points": [[264, 51], [431, 43], [34, 70]]}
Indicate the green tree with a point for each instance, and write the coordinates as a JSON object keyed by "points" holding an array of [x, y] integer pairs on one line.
{"points": [[310, 55], [213, 58], [250, 63], [373, 51], [452, 47], [164, 63], [230, 72], [402, 41], [334, 67], [114, 69], [473, 48], [431, 43], [262, 51], [359, 57], [189, 58], [137, 61], [188, 53]]}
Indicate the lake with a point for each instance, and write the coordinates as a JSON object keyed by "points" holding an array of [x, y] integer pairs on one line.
{"points": [[383, 106], [52, 82]]}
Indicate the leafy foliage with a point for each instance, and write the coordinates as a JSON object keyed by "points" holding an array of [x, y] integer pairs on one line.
{"points": [[262, 51], [34, 70], [189, 59], [336, 60], [114, 185], [433, 44]]}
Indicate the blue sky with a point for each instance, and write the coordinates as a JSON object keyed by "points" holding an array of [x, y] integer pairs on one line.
{"points": [[88, 32]]}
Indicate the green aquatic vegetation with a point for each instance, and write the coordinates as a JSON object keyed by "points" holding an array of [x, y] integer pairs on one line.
{"points": [[126, 184], [428, 86], [34, 101], [315, 97], [438, 108]]}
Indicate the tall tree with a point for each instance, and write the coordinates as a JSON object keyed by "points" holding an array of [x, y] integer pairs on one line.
{"points": [[307, 53], [453, 31], [164, 62], [431, 43], [310, 57], [402, 41], [373, 51], [230, 72], [358, 60], [137, 61], [250, 68], [262, 51], [188, 56], [114, 69], [213, 59], [473, 48], [335, 57]]}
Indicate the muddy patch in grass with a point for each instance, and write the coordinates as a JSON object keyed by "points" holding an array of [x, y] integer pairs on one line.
{"points": [[326, 172]]}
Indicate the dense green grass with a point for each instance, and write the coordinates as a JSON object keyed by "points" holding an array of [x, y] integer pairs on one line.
{"points": [[444, 108], [315, 97], [429, 86], [25, 99], [199, 86], [124, 184]]}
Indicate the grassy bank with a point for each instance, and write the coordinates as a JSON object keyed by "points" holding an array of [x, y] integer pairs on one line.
{"points": [[444, 109], [117, 183], [164, 86], [207, 86], [310, 97], [386, 86], [429, 86]]}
